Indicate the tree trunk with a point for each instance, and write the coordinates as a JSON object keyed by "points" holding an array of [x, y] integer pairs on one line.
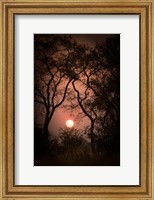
{"points": [[46, 124], [45, 131], [45, 128], [92, 137], [45, 141]]}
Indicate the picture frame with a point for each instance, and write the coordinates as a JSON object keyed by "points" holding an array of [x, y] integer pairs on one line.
{"points": [[10, 8]]}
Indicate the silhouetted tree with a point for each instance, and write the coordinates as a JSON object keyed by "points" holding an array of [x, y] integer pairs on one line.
{"points": [[99, 98], [108, 96], [90, 80], [55, 57]]}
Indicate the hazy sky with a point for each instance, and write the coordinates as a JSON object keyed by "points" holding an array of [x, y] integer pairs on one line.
{"points": [[60, 117], [90, 39]]}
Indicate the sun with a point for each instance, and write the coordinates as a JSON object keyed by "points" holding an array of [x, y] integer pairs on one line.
{"points": [[69, 123]]}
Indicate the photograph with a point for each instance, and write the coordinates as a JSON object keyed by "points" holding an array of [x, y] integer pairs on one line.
{"points": [[76, 99]]}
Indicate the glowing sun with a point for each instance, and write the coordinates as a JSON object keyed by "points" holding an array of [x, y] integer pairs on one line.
{"points": [[69, 123]]}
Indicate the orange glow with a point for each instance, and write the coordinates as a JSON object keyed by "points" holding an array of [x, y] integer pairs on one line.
{"points": [[69, 123]]}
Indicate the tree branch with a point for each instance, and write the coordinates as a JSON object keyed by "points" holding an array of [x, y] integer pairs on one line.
{"points": [[64, 95]]}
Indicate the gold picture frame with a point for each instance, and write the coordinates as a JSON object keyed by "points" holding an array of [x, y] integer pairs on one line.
{"points": [[8, 9]]}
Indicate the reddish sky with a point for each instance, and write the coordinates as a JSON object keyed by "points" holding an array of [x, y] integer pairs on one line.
{"points": [[60, 117], [91, 39]]}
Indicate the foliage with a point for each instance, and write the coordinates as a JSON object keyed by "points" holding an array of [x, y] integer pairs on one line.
{"points": [[62, 68]]}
